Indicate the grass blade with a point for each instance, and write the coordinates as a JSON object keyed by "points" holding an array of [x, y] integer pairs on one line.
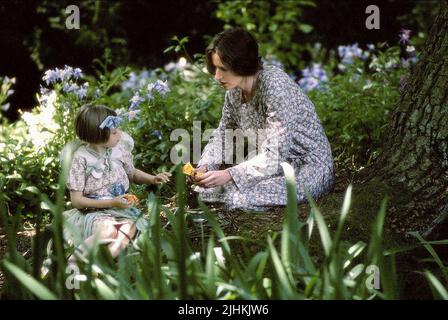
{"points": [[437, 285], [29, 282]]}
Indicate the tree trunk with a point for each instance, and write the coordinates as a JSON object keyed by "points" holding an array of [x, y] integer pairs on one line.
{"points": [[415, 160]]}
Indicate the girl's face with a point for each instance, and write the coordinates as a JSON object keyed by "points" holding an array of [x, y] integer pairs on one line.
{"points": [[224, 76], [114, 138]]}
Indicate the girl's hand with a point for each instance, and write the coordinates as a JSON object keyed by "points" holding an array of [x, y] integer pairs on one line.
{"points": [[215, 178], [121, 203], [162, 178]]}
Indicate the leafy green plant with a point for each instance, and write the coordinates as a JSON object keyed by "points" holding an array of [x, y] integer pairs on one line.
{"points": [[275, 24], [162, 264]]}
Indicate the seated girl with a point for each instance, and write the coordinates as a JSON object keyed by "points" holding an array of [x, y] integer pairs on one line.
{"points": [[99, 177]]}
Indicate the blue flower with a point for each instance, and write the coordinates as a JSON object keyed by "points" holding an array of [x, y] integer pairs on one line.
{"points": [[313, 77], [131, 83], [176, 66], [158, 134], [52, 76], [81, 93], [133, 114], [135, 101], [77, 73], [405, 36], [136, 81], [349, 53], [70, 87], [161, 87], [308, 84], [272, 60]]}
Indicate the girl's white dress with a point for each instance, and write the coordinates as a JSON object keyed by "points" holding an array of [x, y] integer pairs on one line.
{"points": [[99, 177]]}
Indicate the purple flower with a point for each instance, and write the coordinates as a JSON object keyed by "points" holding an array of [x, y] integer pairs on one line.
{"points": [[52, 76], [161, 87], [272, 60], [176, 66], [135, 101], [133, 114], [77, 73], [43, 90], [408, 61], [81, 93], [70, 87], [405, 36], [136, 81], [131, 83], [313, 77], [405, 63], [349, 53]]}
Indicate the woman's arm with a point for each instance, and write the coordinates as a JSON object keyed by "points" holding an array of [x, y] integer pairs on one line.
{"points": [[81, 202]]}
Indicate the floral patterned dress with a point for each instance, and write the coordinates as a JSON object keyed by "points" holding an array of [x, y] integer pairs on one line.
{"points": [[100, 177], [291, 132]]}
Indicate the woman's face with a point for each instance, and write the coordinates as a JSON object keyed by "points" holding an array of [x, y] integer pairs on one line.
{"points": [[224, 76], [114, 138]]}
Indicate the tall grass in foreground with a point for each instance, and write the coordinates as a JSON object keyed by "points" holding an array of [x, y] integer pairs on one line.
{"points": [[161, 263]]}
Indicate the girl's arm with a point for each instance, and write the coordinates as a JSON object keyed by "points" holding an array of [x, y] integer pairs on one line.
{"points": [[81, 202], [141, 177]]}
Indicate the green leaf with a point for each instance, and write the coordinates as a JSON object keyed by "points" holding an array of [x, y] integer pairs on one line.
{"points": [[29, 282], [306, 28], [32, 189], [281, 272], [104, 291], [437, 285]]}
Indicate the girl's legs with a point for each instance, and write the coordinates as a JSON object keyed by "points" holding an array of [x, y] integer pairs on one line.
{"points": [[125, 232], [116, 234], [104, 231]]}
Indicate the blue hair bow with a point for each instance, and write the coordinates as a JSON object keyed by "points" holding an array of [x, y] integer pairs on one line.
{"points": [[111, 122]]}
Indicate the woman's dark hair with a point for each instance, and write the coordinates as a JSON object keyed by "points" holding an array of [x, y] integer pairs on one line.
{"points": [[238, 51], [88, 121]]}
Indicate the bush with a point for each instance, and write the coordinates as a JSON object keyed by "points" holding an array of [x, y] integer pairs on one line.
{"points": [[159, 102], [354, 94]]}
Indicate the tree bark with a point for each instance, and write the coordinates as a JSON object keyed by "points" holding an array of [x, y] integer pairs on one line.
{"points": [[415, 160]]}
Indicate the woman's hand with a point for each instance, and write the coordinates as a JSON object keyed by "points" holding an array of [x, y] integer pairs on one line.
{"points": [[162, 178], [212, 179], [201, 170], [120, 202]]}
